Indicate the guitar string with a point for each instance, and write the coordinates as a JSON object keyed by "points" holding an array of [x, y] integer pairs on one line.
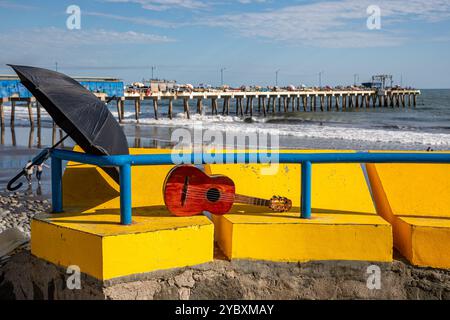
{"points": [[266, 203], [201, 195], [194, 194], [202, 192]]}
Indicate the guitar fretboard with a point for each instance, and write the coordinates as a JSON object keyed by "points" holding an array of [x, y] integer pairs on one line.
{"points": [[251, 200]]}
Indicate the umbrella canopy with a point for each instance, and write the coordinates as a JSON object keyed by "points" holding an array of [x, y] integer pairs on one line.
{"points": [[77, 111]]}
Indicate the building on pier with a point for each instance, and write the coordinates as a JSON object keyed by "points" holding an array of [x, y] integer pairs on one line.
{"points": [[10, 86]]}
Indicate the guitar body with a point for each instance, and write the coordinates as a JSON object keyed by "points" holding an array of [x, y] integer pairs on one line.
{"points": [[189, 191]]}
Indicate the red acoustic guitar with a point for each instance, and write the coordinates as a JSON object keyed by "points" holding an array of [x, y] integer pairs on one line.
{"points": [[189, 191]]}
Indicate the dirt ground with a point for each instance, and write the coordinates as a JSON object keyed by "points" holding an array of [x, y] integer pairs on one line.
{"points": [[27, 277]]}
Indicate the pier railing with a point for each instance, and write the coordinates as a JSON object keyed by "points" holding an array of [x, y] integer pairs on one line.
{"points": [[124, 163]]}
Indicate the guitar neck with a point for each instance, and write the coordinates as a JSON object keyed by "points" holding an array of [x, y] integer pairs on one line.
{"points": [[238, 198]]}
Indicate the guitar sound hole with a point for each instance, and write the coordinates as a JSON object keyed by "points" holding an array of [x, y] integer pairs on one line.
{"points": [[213, 195]]}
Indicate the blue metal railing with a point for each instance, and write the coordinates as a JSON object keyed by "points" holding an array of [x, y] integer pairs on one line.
{"points": [[124, 163]]}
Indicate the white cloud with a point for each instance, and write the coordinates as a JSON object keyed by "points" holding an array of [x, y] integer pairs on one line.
{"points": [[333, 23], [323, 23], [56, 38], [136, 20], [161, 5], [44, 46]]}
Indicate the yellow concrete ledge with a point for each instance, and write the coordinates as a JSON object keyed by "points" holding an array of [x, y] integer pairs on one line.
{"points": [[88, 234], [414, 198], [268, 236], [344, 224], [104, 249]]}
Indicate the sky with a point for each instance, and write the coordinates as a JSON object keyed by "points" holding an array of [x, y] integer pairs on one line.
{"points": [[191, 41]]}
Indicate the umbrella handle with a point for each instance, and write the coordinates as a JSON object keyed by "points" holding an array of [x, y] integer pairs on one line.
{"points": [[13, 180], [40, 158]]}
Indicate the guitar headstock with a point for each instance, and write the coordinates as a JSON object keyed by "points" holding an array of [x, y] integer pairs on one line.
{"points": [[280, 204]]}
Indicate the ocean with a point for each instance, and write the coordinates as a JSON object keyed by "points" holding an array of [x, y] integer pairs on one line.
{"points": [[425, 126]]}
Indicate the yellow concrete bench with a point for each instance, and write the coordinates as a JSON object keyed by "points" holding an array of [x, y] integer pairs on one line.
{"points": [[415, 199], [344, 224], [89, 234]]}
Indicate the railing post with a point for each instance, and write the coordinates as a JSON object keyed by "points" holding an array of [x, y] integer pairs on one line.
{"points": [[306, 190], [57, 205], [125, 194]]}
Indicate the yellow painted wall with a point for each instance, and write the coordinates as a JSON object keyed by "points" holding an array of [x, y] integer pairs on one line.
{"points": [[417, 189], [164, 249], [335, 187], [65, 247], [133, 250], [99, 191], [415, 199]]}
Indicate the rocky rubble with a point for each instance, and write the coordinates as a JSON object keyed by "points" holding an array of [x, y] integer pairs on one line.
{"points": [[17, 209]]}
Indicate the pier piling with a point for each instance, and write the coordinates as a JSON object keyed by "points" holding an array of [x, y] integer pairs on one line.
{"points": [[30, 113], [214, 106], [136, 110], [263, 102], [13, 112], [186, 107], [2, 114], [224, 103], [199, 106], [38, 114], [155, 108], [170, 108], [119, 111]]}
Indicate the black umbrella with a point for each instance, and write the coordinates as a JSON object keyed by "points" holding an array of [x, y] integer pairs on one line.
{"points": [[77, 111]]}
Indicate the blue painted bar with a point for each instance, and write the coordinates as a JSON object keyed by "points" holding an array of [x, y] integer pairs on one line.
{"points": [[125, 195], [57, 203], [161, 159], [306, 159], [306, 190]]}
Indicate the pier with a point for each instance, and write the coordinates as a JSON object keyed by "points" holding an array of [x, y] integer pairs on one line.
{"points": [[265, 103], [239, 103]]}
